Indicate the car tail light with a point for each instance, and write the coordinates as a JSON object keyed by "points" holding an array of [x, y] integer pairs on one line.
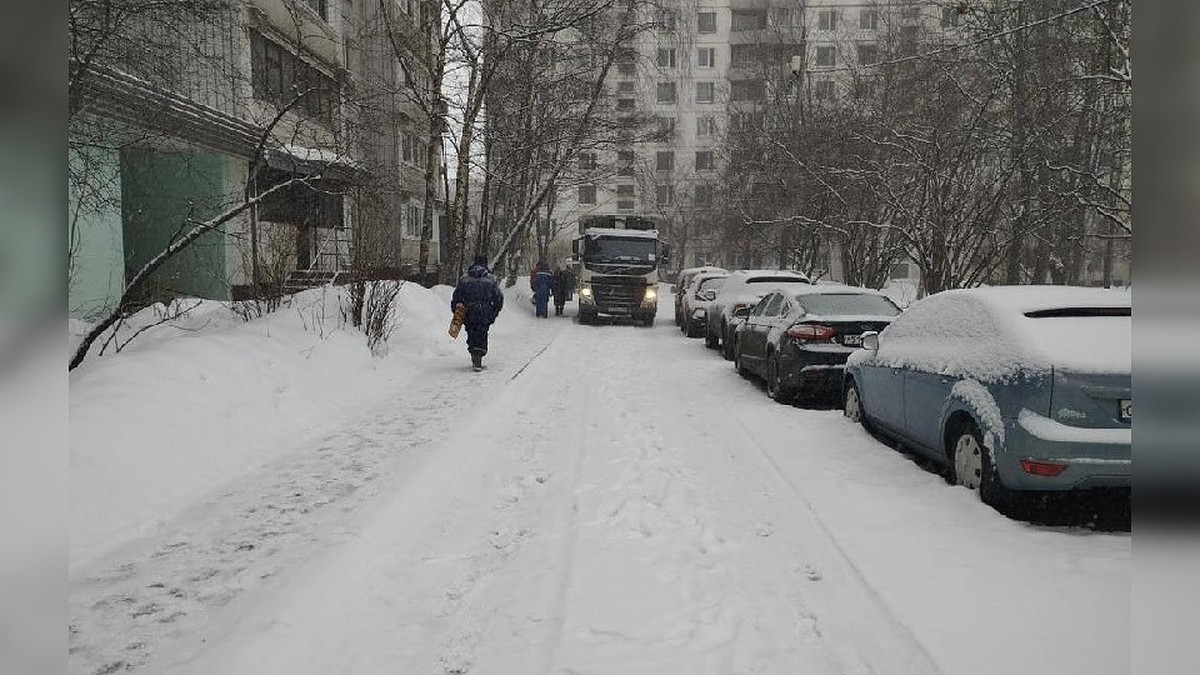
{"points": [[811, 331], [1048, 469]]}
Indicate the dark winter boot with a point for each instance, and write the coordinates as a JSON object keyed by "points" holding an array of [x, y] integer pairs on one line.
{"points": [[477, 361]]}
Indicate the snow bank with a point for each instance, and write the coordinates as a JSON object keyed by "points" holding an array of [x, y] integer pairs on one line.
{"points": [[193, 403]]}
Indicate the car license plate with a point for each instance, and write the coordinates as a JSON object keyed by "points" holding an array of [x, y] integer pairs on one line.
{"points": [[852, 340], [1126, 409]]}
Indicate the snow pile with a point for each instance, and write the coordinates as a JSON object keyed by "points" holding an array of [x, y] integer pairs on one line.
{"points": [[193, 402], [984, 334]]}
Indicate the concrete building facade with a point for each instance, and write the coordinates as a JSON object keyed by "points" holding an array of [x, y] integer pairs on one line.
{"points": [[223, 106]]}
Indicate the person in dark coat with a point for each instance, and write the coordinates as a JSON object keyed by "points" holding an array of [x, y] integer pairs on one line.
{"points": [[480, 292], [543, 286], [564, 287]]}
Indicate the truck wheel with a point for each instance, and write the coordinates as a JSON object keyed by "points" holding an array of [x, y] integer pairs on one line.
{"points": [[648, 321], [586, 318], [692, 329], [711, 341]]}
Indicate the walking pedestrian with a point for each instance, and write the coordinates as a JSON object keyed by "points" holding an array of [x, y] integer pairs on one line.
{"points": [[543, 286], [479, 292], [564, 287]]}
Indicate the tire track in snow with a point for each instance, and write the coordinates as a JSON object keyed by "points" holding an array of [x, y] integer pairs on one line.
{"points": [[918, 661]]}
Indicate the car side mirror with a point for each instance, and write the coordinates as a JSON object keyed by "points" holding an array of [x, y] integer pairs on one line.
{"points": [[871, 340]]}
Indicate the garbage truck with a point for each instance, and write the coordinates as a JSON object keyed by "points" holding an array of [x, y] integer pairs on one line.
{"points": [[617, 260]]}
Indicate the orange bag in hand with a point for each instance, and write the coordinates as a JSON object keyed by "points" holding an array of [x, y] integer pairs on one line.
{"points": [[456, 323]]}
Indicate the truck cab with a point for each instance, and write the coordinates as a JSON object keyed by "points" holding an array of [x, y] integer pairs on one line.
{"points": [[618, 260]]}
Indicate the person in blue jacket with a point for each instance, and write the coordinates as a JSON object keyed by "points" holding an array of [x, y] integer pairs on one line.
{"points": [[480, 292], [543, 285]]}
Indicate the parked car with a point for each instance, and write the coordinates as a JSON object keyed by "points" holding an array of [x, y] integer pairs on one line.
{"points": [[697, 299], [798, 341], [1012, 389], [743, 288], [683, 279]]}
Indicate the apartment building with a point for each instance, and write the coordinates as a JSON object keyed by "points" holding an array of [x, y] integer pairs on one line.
{"points": [[709, 68], [170, 133]]}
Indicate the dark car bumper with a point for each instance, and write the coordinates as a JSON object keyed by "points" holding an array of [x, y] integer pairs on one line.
{"points": [[815, 369]]}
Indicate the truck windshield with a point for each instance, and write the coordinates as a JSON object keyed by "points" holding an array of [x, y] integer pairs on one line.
{"points": [[620, 249]]}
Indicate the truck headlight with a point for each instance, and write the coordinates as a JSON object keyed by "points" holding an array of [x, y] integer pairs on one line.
{"points": [[585, 293], [651, 295]]}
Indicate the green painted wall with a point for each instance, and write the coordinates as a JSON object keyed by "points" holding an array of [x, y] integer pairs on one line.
{"points": [[96, 271], [160, 192]]}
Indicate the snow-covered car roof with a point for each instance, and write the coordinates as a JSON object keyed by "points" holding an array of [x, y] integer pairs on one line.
{"points": [[702, 270], [617, 232], [705, 276], [994, 333], [1025, 299], [768, 273], [834, 289]]}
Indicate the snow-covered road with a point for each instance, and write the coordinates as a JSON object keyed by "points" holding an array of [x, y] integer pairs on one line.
{"points": [[602, 499]]}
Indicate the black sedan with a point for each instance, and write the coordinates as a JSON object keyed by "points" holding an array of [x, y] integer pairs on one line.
{"points": [[798, 340]]}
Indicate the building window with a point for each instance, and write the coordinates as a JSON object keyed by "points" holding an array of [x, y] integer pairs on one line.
{"points": [[706, 57], [666, 57], [320, 7], [826, 56], [625, 87], [626, 104], [747, 90], [587, 194], [784, 17], [868, 54], [868, 19], [826, 19], [706, 22], [666, 92], [664, 194], [412, 221], [664, 160], [627, 62], [666, 21], [706, 92], [704, 160], [702, 194], [587, 161], [664, 129], [624, 204], [624, 162], [950, 17], [625, 191], [748, 20], [279, 76], [706, 127], [823, 89]]}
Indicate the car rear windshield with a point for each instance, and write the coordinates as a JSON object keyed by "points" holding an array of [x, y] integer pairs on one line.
{"points": [[777, 280], [713, 283], [1079, 312], [858, 304]]}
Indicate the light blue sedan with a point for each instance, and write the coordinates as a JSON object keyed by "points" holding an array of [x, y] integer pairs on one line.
{"points": [[1013, 389]]}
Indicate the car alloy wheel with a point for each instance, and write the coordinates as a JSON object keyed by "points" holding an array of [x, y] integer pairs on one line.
{"points": [[968, 459], [973, 468], [739, 363], [852, 406], [775, 388]]}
